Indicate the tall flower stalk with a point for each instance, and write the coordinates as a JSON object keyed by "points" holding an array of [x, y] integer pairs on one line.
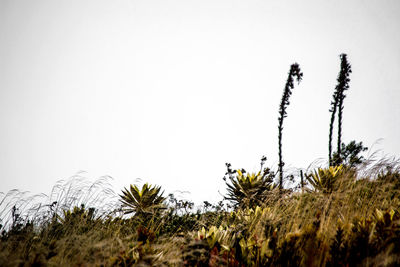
{"points": [[337, 104], [294, 72]]}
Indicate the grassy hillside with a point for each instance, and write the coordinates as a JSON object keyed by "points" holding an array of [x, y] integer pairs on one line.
{"points": [[343, 215], [346, 214]]}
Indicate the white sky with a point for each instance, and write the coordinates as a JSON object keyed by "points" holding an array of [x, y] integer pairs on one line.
{"points": [[168, 91]]}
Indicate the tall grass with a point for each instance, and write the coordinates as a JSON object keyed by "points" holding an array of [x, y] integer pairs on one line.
{"points": [[357, 223], [65, 195]]}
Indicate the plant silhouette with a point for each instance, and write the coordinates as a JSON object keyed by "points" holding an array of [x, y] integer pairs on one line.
{"points": [[337, 104], [294, 72]]}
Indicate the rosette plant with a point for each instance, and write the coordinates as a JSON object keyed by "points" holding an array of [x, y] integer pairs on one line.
{"points": [[247, 190], [142, 202], [326, 180]]}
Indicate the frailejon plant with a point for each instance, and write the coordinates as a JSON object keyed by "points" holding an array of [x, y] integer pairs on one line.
{"points": [[143, 202], [294, 72], [238, 240], [337, 104], [249, 189], [325, 180], [245, 221]]}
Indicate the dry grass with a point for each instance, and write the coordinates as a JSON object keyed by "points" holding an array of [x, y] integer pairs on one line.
{"points": [[291, 228]]}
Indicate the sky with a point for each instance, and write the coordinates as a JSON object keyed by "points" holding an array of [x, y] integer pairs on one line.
{"points": [[169, 91]]}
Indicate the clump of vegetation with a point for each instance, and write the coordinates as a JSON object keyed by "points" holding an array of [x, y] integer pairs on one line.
{"points": [[329, 224], [146, 203], [326, 180], [247, 190], [350, 154], [347, 214]]}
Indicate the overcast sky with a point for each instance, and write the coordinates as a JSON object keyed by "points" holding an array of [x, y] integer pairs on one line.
{"points": [[168, 91]]}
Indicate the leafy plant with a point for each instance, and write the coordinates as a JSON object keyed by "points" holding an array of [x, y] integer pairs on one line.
{"points": [[325, 180], [349, 154], [143, 202], [294, 72], [237, 241], [249, 189], [78, 219]]}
